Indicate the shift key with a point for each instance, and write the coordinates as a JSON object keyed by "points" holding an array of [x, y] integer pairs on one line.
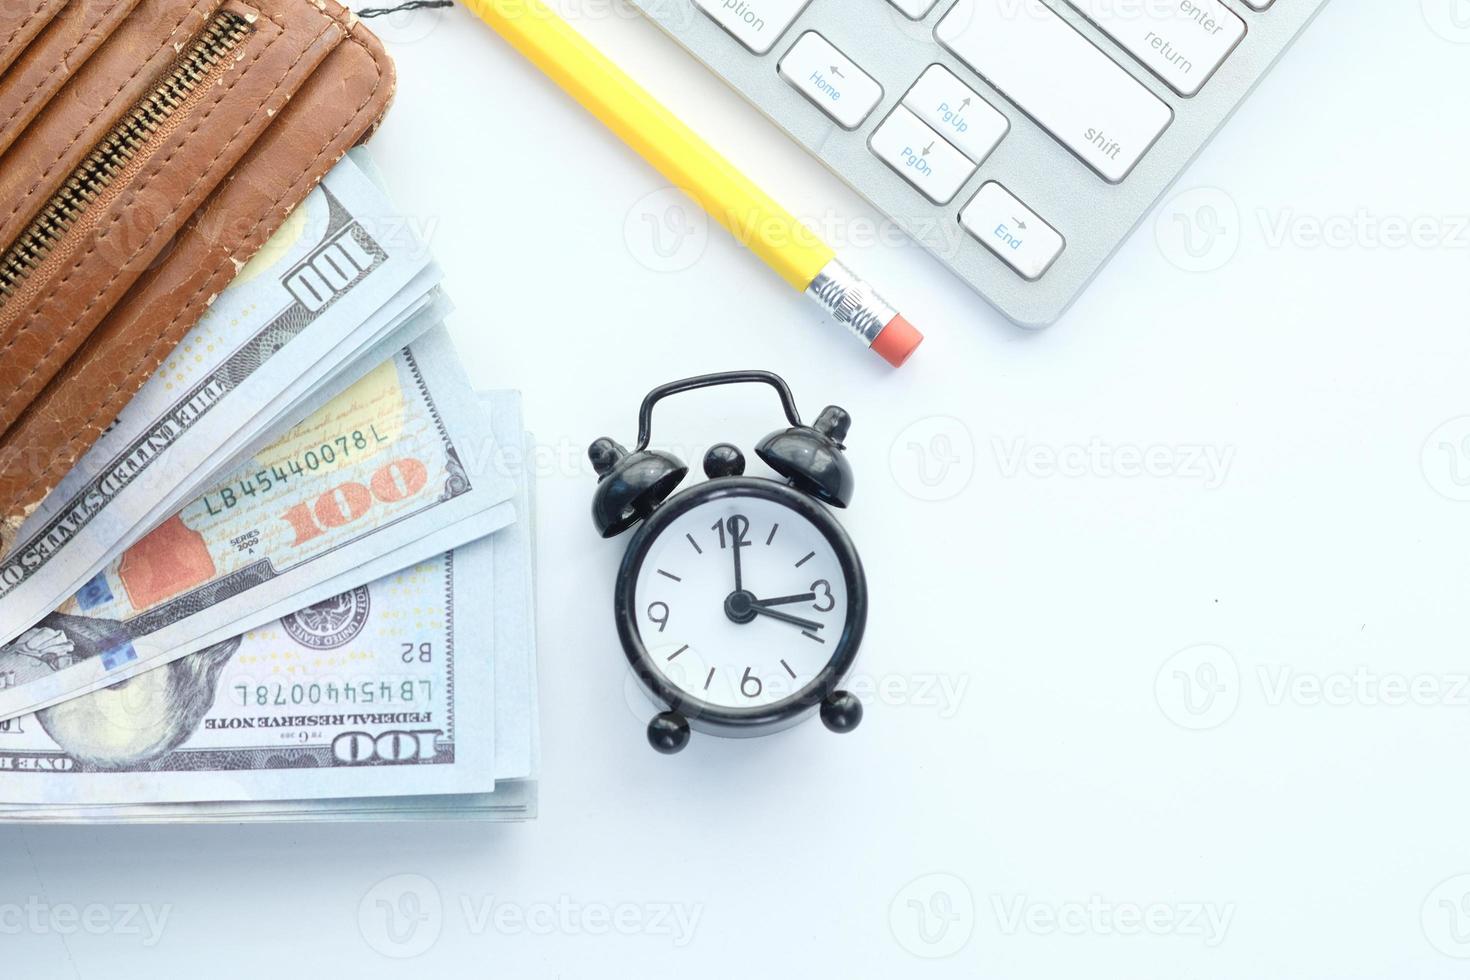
{"points": [[1059, 78]]}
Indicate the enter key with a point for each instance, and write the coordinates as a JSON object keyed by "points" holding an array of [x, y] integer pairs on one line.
{"points": [[1181, 41]]}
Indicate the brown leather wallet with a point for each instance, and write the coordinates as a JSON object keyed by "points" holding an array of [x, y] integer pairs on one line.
{"points": [[148, 148]]}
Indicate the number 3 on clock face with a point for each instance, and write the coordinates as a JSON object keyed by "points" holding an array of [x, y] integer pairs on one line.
{"points": [[745, 600]]}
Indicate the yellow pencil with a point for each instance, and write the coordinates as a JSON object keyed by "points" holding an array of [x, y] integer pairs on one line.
{"points": [[691, 164]]}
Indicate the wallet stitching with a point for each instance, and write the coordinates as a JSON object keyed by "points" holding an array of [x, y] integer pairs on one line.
{"points": [[184, 138], [23, 25], [64, 451], [106, 104], [120, 208], [44, 79]]}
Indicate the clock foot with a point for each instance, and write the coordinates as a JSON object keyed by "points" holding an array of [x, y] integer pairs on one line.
{"points": [[668, 733], [841, 712]]}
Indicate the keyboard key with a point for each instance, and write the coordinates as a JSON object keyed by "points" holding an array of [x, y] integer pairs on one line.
{"points": [[1181, 41], [957, 113], [914, 9], [1061, 79], [921, 156], [830, 80], [757, 24], [1013, 231]]}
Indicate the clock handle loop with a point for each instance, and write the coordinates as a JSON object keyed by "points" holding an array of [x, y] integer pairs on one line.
{"points": [[645, 413]]}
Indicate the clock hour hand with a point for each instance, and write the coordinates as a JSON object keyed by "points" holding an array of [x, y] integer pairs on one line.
{"points": [[787, 600], [807, 624]]}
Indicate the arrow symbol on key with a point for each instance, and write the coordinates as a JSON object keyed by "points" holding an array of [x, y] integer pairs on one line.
{"points": [[965, 104], [837, 72], [928, 148], [1019, 223]]}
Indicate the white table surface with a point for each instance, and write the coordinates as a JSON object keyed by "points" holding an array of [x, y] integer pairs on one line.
{"points": [[1254, 474]]}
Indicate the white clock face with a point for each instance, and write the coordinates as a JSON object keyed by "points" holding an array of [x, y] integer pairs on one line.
{"points": [[750, 643]]}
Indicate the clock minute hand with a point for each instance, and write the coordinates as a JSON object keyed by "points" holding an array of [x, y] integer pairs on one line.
{"points": [[783, 617], [786, 600], [736, 550], [738, 526]]}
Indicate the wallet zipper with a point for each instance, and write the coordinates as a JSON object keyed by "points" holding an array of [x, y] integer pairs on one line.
{"points": [[100, 177]]}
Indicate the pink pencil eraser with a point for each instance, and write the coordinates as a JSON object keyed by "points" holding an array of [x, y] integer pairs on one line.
{"points": [[897, 341]]}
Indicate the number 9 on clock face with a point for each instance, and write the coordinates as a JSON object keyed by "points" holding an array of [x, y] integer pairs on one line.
{"points": [[744, 603]]}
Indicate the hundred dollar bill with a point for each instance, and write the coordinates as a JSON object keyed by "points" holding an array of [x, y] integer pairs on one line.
{"points": [[517, 723], [514, 801], [371, 345], [383, 690], [506, 597], [305, 395], [339, 273], [370, 483]]}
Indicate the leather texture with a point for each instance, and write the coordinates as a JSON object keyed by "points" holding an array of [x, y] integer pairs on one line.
{"points": [[142, 261], [20, 22], [39, 71]]}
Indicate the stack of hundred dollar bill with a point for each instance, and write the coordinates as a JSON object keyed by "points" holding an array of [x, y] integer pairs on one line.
{"points": [[294, 580]]}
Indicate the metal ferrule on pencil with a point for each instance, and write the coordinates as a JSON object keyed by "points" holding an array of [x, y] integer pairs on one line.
{"points": [[850, 301]]}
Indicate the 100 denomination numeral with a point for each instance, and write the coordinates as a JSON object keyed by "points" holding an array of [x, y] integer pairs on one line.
{"points": [[350, 501], [363, 749]]}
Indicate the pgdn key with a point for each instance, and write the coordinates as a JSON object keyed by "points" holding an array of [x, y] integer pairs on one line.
{"points": [[921, 156]]}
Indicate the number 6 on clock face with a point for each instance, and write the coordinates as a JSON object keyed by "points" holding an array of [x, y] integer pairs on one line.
{"points": [[745, 603]]}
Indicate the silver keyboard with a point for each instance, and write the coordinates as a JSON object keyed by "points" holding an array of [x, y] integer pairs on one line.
{"points": [[1020, 141]]}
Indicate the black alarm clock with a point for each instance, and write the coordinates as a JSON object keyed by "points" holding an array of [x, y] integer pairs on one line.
{"points": [[741, 602]]}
